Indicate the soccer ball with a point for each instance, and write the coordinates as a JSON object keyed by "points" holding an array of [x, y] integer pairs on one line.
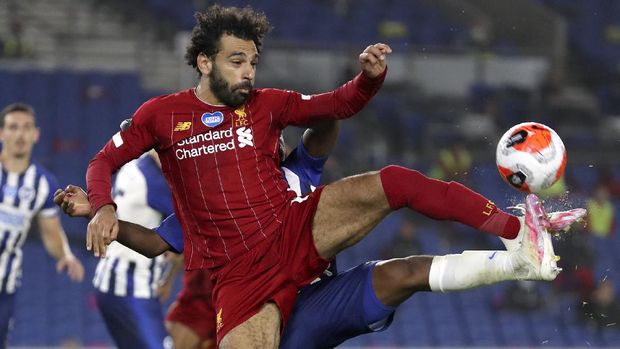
{"points": [[531, 157]]}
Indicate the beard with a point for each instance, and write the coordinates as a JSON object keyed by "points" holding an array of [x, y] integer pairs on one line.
{"points": [[229, 95]]}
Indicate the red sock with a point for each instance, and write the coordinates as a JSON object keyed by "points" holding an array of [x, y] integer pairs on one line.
{"points": [[445, 201]]}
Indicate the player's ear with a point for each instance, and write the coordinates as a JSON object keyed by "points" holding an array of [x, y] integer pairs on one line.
{"points": [[204, 64], [37, 134]]}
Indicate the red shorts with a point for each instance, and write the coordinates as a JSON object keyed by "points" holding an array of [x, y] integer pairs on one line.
{"points": [[194, 305], [273, 270]]}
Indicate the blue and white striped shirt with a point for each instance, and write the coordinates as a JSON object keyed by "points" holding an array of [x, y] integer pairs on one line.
{"points": [[22, 197], [142, 197]]}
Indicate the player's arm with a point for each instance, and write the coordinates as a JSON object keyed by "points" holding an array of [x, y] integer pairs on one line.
{"points": [[176, 266], [320, 139], [308, 159], [306, 162], [148, 242], [135, 138], [55, 242], [346, 100]]}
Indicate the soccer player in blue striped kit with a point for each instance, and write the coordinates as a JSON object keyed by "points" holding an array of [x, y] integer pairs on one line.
{"points": [[26, 193], [340, 306], [126, 282]]}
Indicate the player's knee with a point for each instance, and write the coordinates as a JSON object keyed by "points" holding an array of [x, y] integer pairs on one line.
{"points": [[182, 336], [410, 273], [418, 270], [395, 171], [403, 187], [395, 280], [367, 188]]}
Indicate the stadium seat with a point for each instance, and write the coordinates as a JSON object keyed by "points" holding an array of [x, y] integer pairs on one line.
{"points": [[9, 88], [515, 329]]}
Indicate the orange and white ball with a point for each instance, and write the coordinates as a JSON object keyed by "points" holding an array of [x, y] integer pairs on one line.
{"points": [[531, 157]]}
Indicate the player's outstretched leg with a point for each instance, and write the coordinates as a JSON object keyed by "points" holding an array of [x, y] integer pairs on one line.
{"points": [[260, 331], [348, 209], [534, 259]]}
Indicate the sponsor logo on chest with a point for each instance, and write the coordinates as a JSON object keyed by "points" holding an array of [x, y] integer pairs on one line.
{"points": [[212, 119], [238, 136]]}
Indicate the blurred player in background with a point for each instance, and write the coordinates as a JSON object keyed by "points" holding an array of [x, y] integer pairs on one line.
{"points": [[126, 282], [26, 193]]}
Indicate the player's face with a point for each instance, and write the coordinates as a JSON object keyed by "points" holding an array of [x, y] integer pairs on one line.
{"points": [[233, 71], [19, 134]]}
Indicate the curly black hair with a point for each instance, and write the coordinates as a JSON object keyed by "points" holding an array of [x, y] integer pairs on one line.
{"points": [[244, 23]]}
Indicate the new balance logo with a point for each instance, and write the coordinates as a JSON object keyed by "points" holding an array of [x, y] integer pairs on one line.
{"points": [[183, 126], [244, 137]]}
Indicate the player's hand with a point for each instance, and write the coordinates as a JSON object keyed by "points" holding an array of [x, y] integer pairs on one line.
{"points": [[102, 230], [72, 265], [176, 264], [372, 60], [73, 201], [164, 291]]}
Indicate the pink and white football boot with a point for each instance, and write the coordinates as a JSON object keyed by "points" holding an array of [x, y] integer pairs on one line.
{"points": [[533, 243], [561, 221], [557, 222]]}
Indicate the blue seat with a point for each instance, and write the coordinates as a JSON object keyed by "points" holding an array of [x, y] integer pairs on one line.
{"points": [[9, 88], [514, 329], [611, 336]]}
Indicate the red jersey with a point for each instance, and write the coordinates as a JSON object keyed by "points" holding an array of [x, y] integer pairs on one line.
{"points": [[222, 163]]}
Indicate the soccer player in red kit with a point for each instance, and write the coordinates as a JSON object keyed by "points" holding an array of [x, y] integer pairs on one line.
{"points": [[218, 145]]}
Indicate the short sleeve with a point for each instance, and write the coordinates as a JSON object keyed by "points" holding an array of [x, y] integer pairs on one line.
{"points": [[304, 165], [49, 209], [170, 230]]}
